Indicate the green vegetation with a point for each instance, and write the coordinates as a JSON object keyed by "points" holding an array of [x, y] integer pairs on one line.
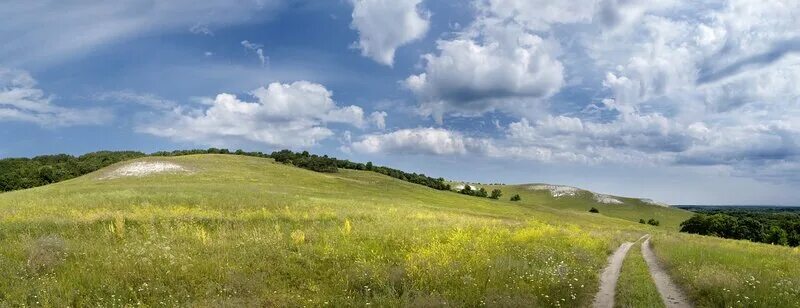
{"points": [[635, 287], [594, 210], [21, 173], [631, 209], [726, 273], [496, 194], [653, 222], [757, 225], [245, 231]]}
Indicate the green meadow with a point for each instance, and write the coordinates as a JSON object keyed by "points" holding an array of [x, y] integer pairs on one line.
{"points": [[246, 231]]}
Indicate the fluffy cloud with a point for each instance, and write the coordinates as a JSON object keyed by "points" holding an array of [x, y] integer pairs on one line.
{"points": [[495, 65], [21, 100], [435, 141], [669, 83], [286, 115], [385, 25]]}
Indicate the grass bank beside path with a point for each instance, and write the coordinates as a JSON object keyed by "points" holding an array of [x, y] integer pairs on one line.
{"points": [[717, 272]]}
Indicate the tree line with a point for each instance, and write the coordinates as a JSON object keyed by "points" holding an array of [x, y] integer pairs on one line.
{"points": [[764, 226], [22, 173]]}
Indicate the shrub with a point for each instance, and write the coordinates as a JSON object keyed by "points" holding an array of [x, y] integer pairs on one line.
{"points": [[516, 197], [641, 221], [653, 222], [496, 194], [594, 210]]}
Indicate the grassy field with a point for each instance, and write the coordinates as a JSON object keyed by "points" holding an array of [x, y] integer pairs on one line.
{"points": [[726, 273], [635, 287], [245, 231]]}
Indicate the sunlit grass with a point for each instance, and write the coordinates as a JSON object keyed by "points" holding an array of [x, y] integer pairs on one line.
{"points": [[635, 287], [243, 231], [728, 273]]}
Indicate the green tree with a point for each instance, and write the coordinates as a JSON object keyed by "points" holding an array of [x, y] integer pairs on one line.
{"points": [[594, 210], [641, 221], [516, 197], [369, 166], [777, 236], [496, 194], [653, 222]]}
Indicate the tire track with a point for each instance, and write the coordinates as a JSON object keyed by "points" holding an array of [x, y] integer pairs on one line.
{"points": [[608, 279], [671, 295]]}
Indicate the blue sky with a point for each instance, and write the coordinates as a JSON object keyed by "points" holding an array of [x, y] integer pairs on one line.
{"points": [[684, 102]]}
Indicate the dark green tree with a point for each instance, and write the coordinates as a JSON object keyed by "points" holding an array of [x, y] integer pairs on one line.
{"points": [[516, 197], [496, 194]]}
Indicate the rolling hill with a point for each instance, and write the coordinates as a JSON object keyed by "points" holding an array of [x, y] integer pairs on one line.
{"points": [[228, 230]]}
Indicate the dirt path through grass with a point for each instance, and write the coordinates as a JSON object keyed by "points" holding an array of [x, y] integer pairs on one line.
{"points": [[608, 279], [672, 296]]}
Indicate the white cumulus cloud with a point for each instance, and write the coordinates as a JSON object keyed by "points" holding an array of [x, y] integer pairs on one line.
{"points": [[282, 115], [385, 25]]}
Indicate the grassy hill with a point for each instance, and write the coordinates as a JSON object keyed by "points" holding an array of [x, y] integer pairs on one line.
{"points": [[244, 231], [631, 209]]}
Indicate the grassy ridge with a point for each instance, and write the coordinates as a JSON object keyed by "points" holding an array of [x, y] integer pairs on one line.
{"points": [[727, 273], [247, 231], [635, 287], [632, 209]]}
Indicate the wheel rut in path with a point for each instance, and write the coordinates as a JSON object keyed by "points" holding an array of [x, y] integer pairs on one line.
{"points": [[671, 295], [608, 279]]}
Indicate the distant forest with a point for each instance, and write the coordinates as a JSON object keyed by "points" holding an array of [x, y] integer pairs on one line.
{"points": [[772, 225], [22, 173]]}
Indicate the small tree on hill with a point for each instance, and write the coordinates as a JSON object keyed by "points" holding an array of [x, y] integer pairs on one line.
{"points": [[496, 193], [482, 193], [515, 197], [369, 166], [594, 210], [653, 222], [641, 221]]}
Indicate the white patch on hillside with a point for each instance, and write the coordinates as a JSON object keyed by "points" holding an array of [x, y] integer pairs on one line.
{"points": [[462, 186], [557, 190], [606, 199], [654, 202], [142, 168]]}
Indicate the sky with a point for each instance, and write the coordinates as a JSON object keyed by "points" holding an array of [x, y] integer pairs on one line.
{"points": [[686, 102]]}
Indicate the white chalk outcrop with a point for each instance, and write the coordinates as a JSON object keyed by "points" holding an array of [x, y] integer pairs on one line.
{"points": [[557, 190], [144, 168], [606, 199], [654, 202]]}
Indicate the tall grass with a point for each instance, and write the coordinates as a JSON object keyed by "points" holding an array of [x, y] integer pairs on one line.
{"points": [[727, 273], [243, 231], [635, 287]]}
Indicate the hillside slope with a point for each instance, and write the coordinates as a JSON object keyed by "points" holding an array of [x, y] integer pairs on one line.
{"points": [[226, 230], [234, 230]]}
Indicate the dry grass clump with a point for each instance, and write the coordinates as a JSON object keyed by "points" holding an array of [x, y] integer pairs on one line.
{"points": [[45, 253]]}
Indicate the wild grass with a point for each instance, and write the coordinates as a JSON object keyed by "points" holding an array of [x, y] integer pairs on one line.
{"points": [[631, 210], [635, 287], [727, 273], [243, 231]]}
